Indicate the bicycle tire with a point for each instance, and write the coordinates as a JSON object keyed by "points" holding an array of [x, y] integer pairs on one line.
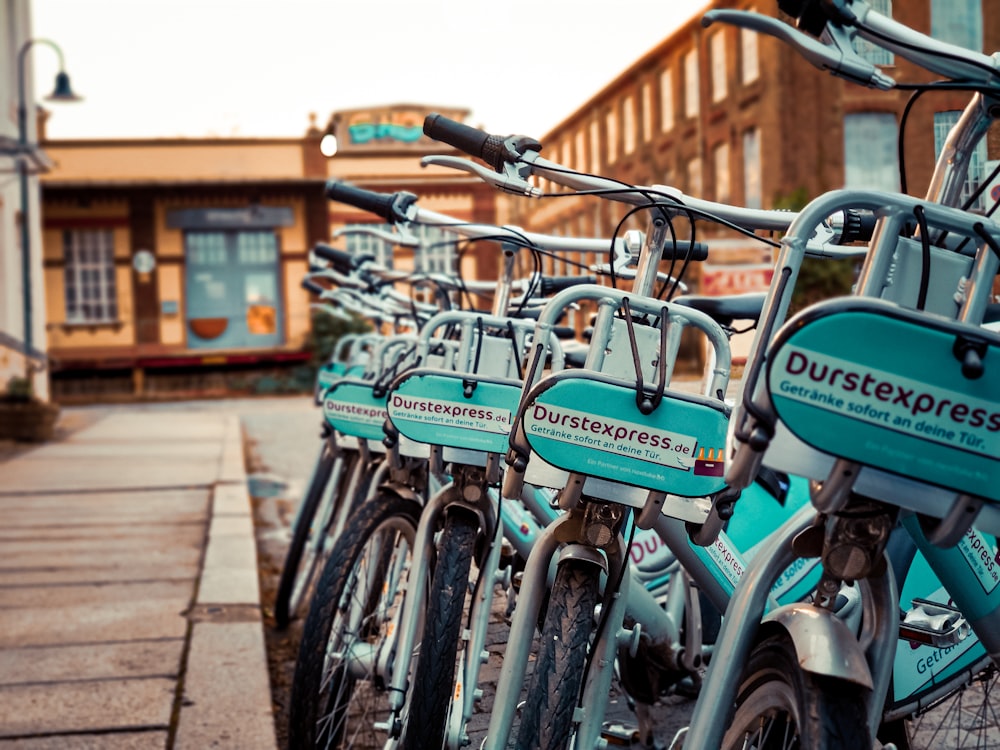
{"points": [[967, 717], [433, 686], [778, 701], [290, 570], [555, 685], [335, 703]]}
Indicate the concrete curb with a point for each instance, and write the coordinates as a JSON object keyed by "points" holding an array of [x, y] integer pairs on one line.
{"points": [[227, 630]]}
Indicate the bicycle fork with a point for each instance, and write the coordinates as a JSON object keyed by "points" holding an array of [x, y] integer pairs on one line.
{"points": [[467, 490], [636, 602]]}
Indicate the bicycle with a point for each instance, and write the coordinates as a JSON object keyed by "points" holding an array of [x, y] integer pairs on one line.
{"points": [[920, 488], [497, 151]]}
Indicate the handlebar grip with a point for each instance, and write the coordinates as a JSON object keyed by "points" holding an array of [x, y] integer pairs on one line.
{"points": [[552, 284], [686, 251], [311, 286], [341, 260], [390, 206], [471, 140], [859, 226]]}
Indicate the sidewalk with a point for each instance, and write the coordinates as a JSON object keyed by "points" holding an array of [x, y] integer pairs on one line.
{"points": [[129, 603]]}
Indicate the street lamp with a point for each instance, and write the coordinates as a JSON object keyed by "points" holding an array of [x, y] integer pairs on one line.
{"points": [[61, 93]]}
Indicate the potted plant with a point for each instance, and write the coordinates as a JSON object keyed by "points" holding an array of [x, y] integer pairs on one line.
{"points": [[23, 416]]}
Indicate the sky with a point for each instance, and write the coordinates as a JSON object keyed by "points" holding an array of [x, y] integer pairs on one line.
{"points": [[222, 68]]}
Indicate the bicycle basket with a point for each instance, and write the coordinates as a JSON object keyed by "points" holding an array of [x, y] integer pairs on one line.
{"points": [[892, 389], [589, 423]]}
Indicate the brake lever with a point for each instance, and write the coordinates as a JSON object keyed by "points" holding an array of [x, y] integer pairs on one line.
{"points": [[835, 53], [401, 237], [511, 180]]}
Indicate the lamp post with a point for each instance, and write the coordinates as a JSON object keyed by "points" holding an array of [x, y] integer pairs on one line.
{"points": [[61, 93]]}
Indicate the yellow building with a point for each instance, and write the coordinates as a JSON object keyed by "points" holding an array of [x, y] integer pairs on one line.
{"points": [[173, 264]]}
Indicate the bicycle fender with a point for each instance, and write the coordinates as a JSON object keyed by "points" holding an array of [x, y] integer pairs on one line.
{"points": [[823, 644], [585, 553]]}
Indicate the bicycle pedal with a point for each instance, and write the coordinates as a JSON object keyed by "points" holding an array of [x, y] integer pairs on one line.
{"points": [[618, 734], [933, 624]]}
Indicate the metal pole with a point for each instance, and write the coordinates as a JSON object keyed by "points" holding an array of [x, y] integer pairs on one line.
{"points": [[22, 169]]}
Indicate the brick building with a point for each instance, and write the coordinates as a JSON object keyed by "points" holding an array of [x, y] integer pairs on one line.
{"points": [[734, 116]]}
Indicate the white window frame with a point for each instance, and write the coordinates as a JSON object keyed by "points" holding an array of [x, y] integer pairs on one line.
{"points": [[958, 22], [753, 196], [872, 52], [871, 159], [628, 125], [692, 97], [611, 136], [717, 46], [90, 273], [749, 56], [721, 173], [595, 146], [647, 112], [367, 244], [666, 100], [695, 181]]}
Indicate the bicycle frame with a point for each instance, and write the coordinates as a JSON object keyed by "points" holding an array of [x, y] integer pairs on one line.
{"points": [[873, 651]]}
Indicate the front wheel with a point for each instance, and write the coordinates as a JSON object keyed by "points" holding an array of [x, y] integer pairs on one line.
{"points": [[338, 693], [780, 706], [555, 686], [293, 572], [433, 687]]}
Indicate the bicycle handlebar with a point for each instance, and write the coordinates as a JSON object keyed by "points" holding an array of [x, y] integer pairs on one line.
{"points": [[341, 260], [390, 206], [495, 150]]}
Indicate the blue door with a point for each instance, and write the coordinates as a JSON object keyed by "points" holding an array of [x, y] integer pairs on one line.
{"points": [[232, 293]]}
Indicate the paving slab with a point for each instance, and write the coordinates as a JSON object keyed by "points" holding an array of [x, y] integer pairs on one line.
{"points": [[234, 711], [91, 661], [52, 557], [86, 706], [85, 624], [186, 570], [171, 595], [151, 740], [70, 475], [110, 529]]}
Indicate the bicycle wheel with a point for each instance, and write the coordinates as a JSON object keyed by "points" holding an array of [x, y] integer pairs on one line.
{"points": [[555, 685], [433, 687], [967, 718], [337, 696], [781, 706], [292, 572]]}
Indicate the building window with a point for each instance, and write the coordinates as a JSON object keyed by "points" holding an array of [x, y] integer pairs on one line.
{"points": [[718, 45], [720, 163], [437, 252], [694, 186], [628, 125], [943, 123], [666, 100], [611, 133], [567, 154], [872, 52], [870, 158], [595, 146], [752, 190], [580, 147], [691, 95], [958, 22], [749, 56], [367, 244], [91, 293], [647, 112]]}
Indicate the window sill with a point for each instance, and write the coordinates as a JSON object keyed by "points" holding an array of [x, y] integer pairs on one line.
{"points": [[92, 326]]}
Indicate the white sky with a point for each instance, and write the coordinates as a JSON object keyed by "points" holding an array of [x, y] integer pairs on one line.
{"points": [[156, 68]]}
